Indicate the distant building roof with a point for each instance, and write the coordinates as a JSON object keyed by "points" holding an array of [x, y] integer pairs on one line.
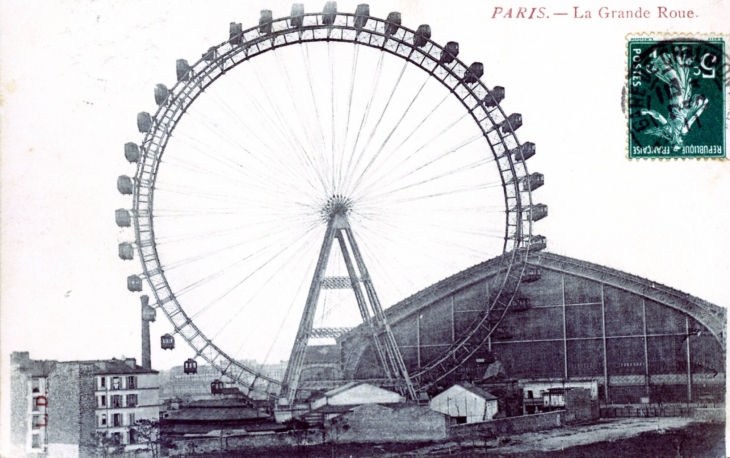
{"points": [[478, 391], [214, 414], [329, 408], [219, 403], [102, 366], [341, 388], [118, 366], [475, 390]]}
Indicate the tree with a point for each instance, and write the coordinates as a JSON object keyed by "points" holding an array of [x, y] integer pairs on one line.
{"points": [[148, 432], [104, 445]]}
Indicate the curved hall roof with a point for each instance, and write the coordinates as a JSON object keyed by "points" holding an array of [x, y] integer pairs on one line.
{"points": [[710, 315]]}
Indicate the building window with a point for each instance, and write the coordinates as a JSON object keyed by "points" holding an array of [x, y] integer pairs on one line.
{"points": [[117, 438], [132, 434], [102, 383], [116, 401], [131, 382], [35, 442], [132, 419], [102, 401], [116, 383], [131, 400], [117, 419], [102, 420]]}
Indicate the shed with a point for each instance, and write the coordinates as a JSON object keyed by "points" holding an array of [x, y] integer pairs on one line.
{"points": [[354, 393], [465, 403]]}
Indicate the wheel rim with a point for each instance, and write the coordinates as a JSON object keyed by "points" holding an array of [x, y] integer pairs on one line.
{"points": [[223, 58]]}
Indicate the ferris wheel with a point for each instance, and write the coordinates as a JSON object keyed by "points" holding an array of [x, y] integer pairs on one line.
{"points": [[339, 164]]}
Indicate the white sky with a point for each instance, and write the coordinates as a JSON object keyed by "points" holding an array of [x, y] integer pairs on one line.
{"points": [[74, 74]]}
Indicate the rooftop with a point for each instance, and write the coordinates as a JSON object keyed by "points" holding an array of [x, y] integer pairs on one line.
{"points": [[22, 361]]}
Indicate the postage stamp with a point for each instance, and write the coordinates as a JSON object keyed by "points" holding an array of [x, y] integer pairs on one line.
{"points": [[677, 97]]}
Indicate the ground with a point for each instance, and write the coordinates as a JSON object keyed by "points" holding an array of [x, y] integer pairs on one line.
{"points": [[627, 437]]}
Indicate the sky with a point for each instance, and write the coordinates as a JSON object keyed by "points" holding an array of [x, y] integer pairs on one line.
{"points": [[74, 74]]}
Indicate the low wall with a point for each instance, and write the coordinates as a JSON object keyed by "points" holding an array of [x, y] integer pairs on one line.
{"points": [[507, 426], [190, 446], [376, 423], [698, 411], [709, 414]]}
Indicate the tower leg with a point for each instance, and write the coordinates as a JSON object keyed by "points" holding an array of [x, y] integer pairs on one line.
{"points": [[391, 347], [296, 360], [362, 305]]}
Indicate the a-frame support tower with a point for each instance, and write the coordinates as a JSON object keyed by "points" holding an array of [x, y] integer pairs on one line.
{"points": [[338, 227]]}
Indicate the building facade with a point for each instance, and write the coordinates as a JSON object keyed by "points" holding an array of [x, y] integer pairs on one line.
{"points": [[124, 394], [58, 407], [578, 321]]}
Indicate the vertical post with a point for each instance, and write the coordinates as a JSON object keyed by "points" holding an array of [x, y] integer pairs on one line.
{"points": [[489, 337], [646, 347], [605, 358], [146, 345], [453, 323], [565, 333], [418, 338], [689, 361]]}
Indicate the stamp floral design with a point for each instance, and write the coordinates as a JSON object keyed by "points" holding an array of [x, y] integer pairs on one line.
{"points": [[684, 107], [676, 98]]}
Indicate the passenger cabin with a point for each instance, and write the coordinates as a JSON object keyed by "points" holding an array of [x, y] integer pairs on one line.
{"points": [[235, 31], [167, 342], [422, 35], [330, 12], [122, 218], [182, 69], [161, 94], [149, 313], [265, 22], [524, 151], [131, 152], [125, 185], [495, 96], [512, 123], [531, 274], [126, 252], [520, 304], [134, 283], [144, 122], [538, 243], [473, 73], [449, 53], [533, 181], [297, 15], [362, 13], [394, 21], [216, 387], [536, 212], [210, 54], [190, 366]]}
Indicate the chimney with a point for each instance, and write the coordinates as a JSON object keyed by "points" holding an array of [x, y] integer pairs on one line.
{"points": [[146, 347]]}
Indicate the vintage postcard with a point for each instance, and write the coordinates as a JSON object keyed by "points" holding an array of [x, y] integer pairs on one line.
{"points": [[344, 229]]}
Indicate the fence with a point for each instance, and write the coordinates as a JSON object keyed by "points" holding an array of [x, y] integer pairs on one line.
{"points": [[660, 410]]}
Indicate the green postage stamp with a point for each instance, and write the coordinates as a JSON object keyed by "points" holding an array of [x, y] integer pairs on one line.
{"points": [[677, 97]]}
